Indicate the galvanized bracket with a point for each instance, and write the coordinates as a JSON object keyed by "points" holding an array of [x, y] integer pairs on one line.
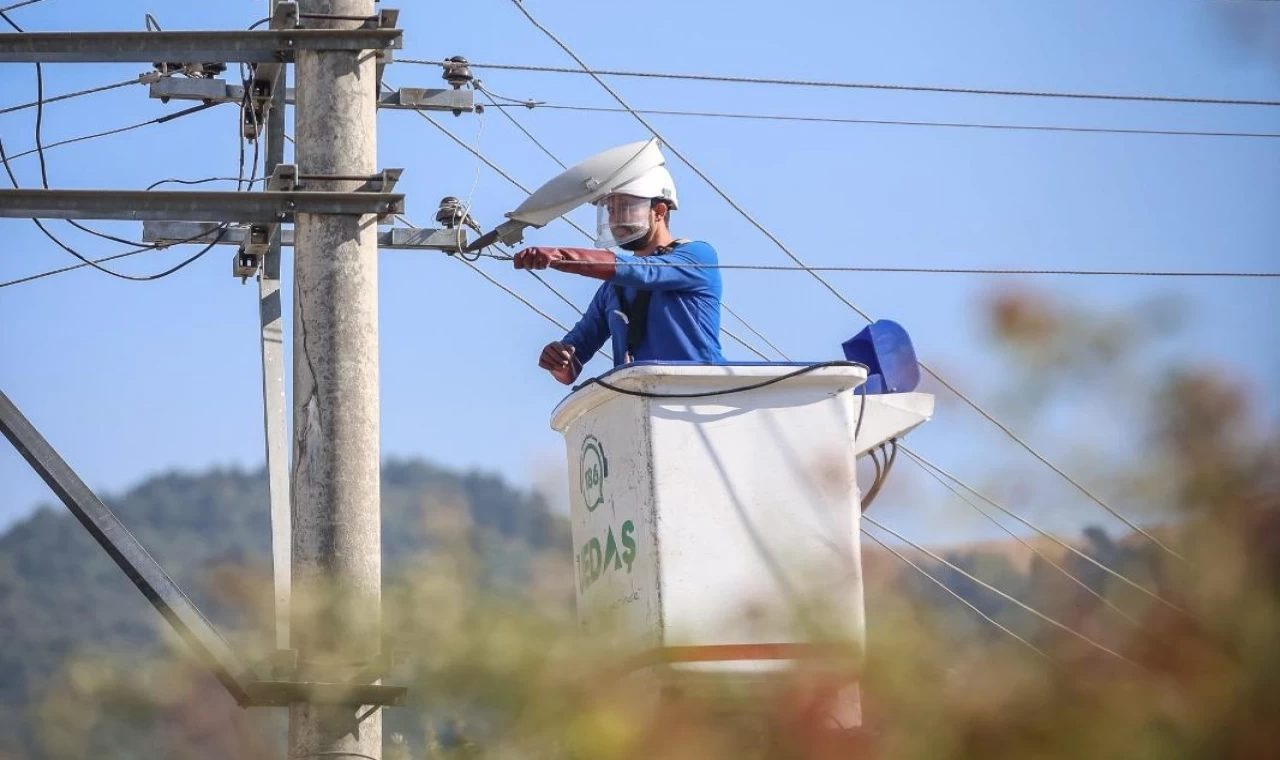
{"points": [[253, 250], [221, 91], [283, 179], [205, 206], [259, 46], [396, 238], [388, 18], [285, 693]]}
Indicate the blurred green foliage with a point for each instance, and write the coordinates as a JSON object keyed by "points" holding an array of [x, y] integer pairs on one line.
{"points": [[479, 592]]}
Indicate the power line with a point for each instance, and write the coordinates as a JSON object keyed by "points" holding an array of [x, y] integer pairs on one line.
{"points": [[954, 270], [753, 330], [559, 324], [118, 130], [520, 126], [204, 181], [511, 292], [490, 96], [144, 249], [52, 272], [39, 149], [834, 291], [957, 596], [1082, 555], [44, 181], [508, 290], [1025, 542], [566, 219], [16, 6], [556, 322], [70, 95], [1056, 624], [534, 105], [855, 85]]}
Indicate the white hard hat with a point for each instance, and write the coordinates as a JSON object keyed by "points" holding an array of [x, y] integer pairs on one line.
{"points": [[655, 183]]}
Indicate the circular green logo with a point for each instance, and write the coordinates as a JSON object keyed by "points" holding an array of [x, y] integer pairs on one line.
{"points": [[595, 468]]}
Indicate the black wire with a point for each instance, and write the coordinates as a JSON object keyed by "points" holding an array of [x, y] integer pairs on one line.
{"points": [[881, 474], [119, 130], [709, 394], [144, 249], [45, 180], [205, 181], [16, 6], [534, 105], [71, 95], [861, 390], [44, 166]]}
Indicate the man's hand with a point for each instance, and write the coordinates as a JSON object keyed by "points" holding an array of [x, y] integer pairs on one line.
{"points": [[589, 262], [536, 258], [558, 359]]}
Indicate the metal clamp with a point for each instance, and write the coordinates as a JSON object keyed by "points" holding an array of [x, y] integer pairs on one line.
{"points": [[283, 179], [253, 251]]}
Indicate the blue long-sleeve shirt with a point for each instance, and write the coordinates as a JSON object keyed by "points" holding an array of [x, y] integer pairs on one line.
{"points": [[684, 310]]}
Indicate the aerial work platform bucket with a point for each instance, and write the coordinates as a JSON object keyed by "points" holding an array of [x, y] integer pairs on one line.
{"points": [[718, 536]]}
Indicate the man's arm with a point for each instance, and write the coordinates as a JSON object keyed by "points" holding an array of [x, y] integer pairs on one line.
{"points": [[666, 272], [565, 358], [642, 272]]}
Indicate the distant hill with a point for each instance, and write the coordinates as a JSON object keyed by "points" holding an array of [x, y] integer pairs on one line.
{"points": [[60, 594]]}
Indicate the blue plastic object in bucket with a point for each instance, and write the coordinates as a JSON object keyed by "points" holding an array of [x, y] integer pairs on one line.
{"points": [[890, 358]]}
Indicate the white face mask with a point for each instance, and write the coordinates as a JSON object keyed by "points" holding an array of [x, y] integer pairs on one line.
{"points": [[621, 219]]}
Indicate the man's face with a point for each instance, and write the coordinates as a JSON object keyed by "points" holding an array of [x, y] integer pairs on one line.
{"points": [[627, 219]]}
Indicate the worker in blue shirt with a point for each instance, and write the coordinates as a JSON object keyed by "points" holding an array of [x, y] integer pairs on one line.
{"points": [[659, 302]]}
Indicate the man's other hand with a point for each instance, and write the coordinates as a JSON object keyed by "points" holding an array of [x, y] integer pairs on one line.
{"points": [[558, 359]]}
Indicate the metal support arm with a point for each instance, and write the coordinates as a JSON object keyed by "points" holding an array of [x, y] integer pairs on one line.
{"points": [[211, 206], [418, 238], [222, 91], [261, 46], [141, 568]]}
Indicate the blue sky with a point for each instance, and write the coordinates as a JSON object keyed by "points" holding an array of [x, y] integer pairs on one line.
{"points": [[129, 379]]}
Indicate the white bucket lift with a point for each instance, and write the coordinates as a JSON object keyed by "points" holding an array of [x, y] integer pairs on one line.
{"points": [[712, 534]]}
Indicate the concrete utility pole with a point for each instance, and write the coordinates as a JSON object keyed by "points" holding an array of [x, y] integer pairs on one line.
{"points": [[274, 399], [337, 549]]}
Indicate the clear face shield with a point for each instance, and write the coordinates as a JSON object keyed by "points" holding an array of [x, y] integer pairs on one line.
{"points": [[622, 219]]}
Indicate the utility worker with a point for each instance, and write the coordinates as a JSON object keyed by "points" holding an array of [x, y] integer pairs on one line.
{"points": [[660, 302]]}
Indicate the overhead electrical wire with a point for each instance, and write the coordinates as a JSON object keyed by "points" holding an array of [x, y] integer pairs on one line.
{"points": [[118, 130], [16, 6], [1043, 617], [70, 95], [834, 291], [929, 467], [480, 87], [753, 330], [1065, 545], [864, 269], [85, 261], [957, 596], [1049, 560], [567, 220], [44, 181], [559, 324], [554, 321], [535, 105], [856, 85], [507, 290]]}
